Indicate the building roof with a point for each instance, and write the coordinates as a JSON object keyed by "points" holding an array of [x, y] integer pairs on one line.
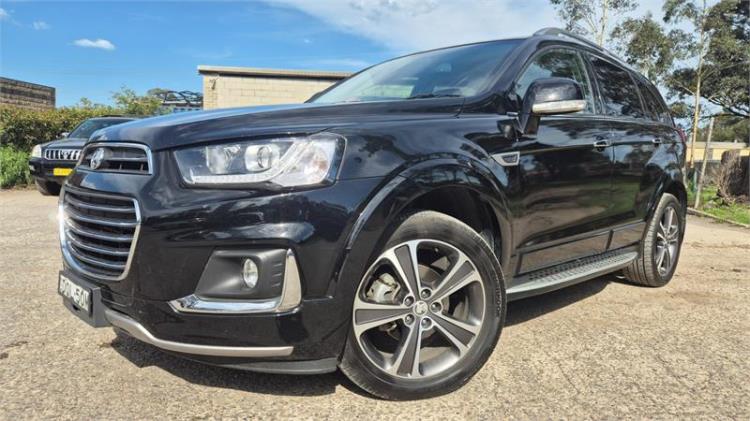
{"points": [[7, 79], [274, 73]]}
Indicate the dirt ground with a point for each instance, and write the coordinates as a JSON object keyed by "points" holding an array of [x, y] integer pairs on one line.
{"points": [[602, 349]]}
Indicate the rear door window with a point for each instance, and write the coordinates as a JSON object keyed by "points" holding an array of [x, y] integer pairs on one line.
{"points": [[561, 62], [619, 93], [651, 103], [662, 111]]}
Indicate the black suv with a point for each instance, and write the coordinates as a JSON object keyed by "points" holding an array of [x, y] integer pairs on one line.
{"points": [[381, 227], [51, 162]]}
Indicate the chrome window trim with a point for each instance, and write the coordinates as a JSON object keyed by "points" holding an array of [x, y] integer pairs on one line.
{"points": [[65, 247], [290, 298], [146, 149]]}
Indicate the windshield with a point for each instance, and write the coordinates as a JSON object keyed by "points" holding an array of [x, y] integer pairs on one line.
{"points": [[456, 71], [84, 130]]}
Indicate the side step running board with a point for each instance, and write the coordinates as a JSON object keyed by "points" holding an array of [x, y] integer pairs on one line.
{"points": [[550, 279]]}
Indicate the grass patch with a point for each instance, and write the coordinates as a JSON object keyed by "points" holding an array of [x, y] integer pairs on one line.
{"points": [[14, 167], [720, 208]]}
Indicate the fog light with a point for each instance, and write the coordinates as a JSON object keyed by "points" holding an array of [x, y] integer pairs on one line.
{"points": [[250, 273]]}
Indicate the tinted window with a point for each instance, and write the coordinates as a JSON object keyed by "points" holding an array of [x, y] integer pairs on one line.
{"points": [[651, 103], [85, 129], [457, 71], [557, 63], [661, 107], [619, 93]]}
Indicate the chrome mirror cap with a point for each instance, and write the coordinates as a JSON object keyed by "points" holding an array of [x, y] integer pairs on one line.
{"points": [[559, 107]]}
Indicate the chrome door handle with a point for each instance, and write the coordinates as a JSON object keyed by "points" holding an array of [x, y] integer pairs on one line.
{"points": [[601, 144]]}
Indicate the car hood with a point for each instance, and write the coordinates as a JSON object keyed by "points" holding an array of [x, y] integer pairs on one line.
{"points": [[196, 127], [66, 143]]}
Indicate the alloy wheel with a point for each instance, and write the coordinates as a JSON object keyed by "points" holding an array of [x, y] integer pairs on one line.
{"points": [[419, 309], [667, 241]]}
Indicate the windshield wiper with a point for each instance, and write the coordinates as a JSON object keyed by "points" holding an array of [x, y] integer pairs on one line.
{"points": [[421, 96]]}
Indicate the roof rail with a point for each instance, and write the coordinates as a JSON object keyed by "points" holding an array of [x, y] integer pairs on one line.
{"points": [[564, 33]]}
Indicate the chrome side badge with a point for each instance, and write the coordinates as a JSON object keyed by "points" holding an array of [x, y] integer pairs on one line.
{"points": [[507, 159]]}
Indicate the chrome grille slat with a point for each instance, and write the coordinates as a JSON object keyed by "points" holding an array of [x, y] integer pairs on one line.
{"points": [[62, 154], [97, 207], [99, 235], [96, 248], [99, 220], [98, 232], [96, 262], [120, 157]]}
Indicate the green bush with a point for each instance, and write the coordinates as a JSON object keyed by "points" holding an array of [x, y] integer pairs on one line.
{"points": [[22, 129], [14, 167]]}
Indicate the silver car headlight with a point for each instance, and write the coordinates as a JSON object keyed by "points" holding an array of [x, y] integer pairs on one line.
{"points": [[36, 152], [279, 162]]}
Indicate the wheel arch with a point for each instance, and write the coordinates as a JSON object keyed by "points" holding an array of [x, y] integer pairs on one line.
{"points": [[672, 185], [466, 191]]}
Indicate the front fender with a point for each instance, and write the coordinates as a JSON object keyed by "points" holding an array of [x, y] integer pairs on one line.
{"points": [[379, 218]]}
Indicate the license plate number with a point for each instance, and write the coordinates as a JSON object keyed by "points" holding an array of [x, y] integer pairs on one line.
{"points": [[77, 294], [61, 172]]}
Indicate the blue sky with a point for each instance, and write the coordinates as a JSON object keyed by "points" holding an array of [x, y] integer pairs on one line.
{"points": [[161, 44], [92, 48]]}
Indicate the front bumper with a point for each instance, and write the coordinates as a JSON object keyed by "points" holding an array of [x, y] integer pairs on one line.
{"points": [[181, 229], [138, 331], [44, 169]]}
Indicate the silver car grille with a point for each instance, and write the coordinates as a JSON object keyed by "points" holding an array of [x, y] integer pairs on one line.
{"points": [[98, 232], [62, 154], [118, 157]]}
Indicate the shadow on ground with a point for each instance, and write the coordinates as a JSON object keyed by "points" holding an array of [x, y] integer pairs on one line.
{"points": [[144, 355], [533, 307]]}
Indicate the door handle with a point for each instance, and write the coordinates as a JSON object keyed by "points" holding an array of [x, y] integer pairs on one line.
{"points": [[601, 144], [656, 141]]}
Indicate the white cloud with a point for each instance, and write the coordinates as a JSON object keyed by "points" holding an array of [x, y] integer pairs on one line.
{"points": [[40, 25], [3, 14], [409, 25], [98, 43]]}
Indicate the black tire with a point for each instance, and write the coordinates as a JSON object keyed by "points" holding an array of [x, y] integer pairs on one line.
{"points": [[645, 270], [47, 188], [436, 226]]}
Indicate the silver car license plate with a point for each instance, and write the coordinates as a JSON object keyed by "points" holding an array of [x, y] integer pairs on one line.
{"points": [[78, 295]]}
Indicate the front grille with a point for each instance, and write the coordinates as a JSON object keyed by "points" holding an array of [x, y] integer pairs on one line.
{"points": [[98, 232], [62, 154], [117, 157]]}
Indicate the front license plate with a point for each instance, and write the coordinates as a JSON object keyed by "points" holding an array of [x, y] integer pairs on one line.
{"points": [[61, 172], [78, 295]]}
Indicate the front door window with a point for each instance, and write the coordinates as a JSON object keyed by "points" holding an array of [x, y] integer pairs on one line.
{"points": [[557, 63]]}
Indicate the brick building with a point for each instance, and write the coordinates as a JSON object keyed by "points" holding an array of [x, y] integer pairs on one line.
{"points": [[241, 86], [26, 95]]}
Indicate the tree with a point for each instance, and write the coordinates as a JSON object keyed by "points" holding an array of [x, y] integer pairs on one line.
{"points": [[649, 47], [723, 76], [720, 46], [592, 17], [131, 103]]}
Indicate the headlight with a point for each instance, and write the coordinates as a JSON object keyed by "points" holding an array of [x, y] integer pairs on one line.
{"points": [[282, 162], [36, 152]]}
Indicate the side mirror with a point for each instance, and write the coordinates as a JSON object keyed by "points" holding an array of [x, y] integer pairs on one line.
{"points": [[64, 134], [554, 95]]}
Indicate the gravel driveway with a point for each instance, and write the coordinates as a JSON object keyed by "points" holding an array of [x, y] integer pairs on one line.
{"points": [[601, 349]]}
